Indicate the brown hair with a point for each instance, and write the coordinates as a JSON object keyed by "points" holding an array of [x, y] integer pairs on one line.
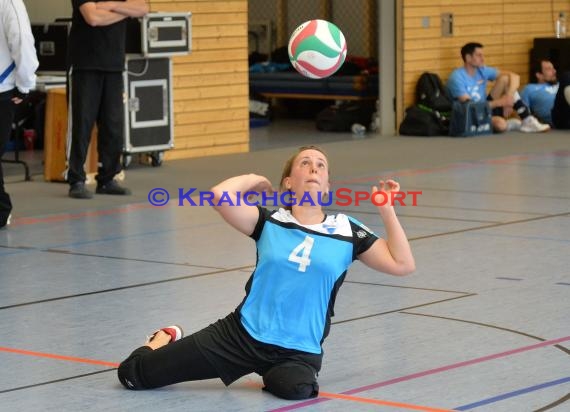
{"points": [[469, 49], [289, 163], [537, 68]]}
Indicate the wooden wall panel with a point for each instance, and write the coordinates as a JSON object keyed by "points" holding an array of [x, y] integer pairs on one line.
{"points": [[211, 91], [506, 28]]}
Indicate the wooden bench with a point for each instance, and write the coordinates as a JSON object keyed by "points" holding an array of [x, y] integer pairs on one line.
{"points": [[291, 85]]}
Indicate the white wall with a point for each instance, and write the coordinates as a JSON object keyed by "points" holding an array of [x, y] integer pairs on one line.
{"points": [[45, 11]]}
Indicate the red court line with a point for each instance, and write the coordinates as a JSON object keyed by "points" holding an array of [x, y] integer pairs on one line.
{"points": [[73, 216], [59, 357], [326, 395], [430, 372], [388, 174], [251, 384], [466, 165], [381, 402], [460, 364]]}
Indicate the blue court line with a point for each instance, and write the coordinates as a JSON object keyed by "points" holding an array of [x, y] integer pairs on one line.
{"points": [[84, 242], [103, 239], [11, 251], [529, 237], [512, 394]]}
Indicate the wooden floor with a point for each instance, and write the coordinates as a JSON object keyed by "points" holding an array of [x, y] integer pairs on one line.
{"points": [[483, 324]]}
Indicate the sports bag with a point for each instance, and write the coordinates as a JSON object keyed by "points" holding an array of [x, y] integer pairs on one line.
{"points": [[430, 92], [470, 119], [341, 117], [422, 121]]}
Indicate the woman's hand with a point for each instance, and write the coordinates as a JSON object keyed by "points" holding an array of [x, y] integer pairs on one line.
{"points": [[393, 255], [389, 189]]}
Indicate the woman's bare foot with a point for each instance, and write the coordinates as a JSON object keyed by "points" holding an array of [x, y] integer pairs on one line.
{"points": [[158, 340], [164, 336]]}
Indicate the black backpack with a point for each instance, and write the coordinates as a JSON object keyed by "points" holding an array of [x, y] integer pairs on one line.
{"points": [[431, 93], [341, 117], [422, 121]]}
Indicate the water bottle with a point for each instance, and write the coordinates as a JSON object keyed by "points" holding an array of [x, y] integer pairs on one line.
{"points": [[561, 26], [375, 120], [358, 130]]}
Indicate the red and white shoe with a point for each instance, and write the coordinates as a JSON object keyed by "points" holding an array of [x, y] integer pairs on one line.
{"points": [[175, 332]]}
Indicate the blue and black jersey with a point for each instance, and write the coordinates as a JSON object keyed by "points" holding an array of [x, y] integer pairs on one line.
{"points": [[290, 296]]}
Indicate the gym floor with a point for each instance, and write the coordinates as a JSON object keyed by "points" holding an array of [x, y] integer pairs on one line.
{"points": [[482, 325]]}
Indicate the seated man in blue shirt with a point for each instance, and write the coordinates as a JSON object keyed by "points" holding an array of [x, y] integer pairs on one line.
{"points": [[539, 96], [549, 97], [470, 83]]}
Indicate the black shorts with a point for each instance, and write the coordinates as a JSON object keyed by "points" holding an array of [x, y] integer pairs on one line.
{"points": [[234, 353], [497, 111]]}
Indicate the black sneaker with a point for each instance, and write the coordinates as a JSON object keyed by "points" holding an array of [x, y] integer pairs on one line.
{"points": [[6, 222], [79, 191], [112, 188]]}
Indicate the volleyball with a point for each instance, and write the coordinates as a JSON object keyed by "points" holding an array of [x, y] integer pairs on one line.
{"points": [[317, 49]]}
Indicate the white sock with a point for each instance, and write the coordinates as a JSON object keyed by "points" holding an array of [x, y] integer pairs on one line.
{"points": [[516, 97]]}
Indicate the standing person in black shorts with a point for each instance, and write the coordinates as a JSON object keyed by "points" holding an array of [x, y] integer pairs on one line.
{"points": [[18, 64], [302, 258], [97, 42]]}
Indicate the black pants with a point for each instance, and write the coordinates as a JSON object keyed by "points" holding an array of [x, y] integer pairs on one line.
{"points": [[96, 97], [223, 350], [7, 110], [561, 109]]}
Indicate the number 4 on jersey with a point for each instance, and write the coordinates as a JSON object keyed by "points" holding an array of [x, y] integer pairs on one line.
{"points": [[301, 253]]}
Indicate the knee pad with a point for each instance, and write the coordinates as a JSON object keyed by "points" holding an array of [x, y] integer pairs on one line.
{"points": [[129, 376], [497, 111], [292, 381]]}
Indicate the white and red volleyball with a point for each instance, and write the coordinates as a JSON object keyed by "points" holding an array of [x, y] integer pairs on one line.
{"points": [[317, 49]]}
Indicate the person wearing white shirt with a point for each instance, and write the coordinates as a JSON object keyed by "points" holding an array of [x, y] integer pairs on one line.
{"points": [[18, 64]]}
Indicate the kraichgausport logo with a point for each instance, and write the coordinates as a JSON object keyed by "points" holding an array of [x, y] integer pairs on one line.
{"points": [[340, 197]]}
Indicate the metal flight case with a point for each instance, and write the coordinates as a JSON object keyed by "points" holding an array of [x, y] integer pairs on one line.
{"points": [[150, 43], [148, 108], [51, 41], [160, 34]]}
